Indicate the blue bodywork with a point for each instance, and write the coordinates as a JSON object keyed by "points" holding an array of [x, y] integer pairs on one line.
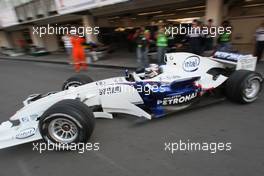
{"points": [[158, 95]]}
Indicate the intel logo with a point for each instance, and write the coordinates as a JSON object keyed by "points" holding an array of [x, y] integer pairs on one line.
{"points": [[26, 133], [191, 64]]}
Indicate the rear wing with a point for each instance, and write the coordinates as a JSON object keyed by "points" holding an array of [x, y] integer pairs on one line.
{"points": [[240, 61]]}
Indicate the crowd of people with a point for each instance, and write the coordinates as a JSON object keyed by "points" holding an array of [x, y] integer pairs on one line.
{"points": [[143, 39], [197, 42], [194, 42]]}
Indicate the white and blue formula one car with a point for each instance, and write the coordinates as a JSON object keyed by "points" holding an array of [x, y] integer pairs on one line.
{"points": [[68, 116]]}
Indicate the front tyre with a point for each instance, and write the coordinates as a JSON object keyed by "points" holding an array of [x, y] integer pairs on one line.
{"points": [[67, 122], [76, 81], [243, 86]]}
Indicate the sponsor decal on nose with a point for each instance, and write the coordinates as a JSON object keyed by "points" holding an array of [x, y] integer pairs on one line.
{"points": [[26, 133], [191, 64]]}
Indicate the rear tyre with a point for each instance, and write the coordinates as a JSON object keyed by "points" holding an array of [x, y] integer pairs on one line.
{"points": [[243, 86], [76, 81], [67, 122]]}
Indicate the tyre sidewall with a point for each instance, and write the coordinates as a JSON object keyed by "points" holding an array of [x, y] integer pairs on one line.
{"points": [[236, 84], [252, 76]]}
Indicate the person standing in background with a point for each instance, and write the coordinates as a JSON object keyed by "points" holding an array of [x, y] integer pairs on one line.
{"points": [[78, 53], [208, 38], [224, 40], [162, 44], [142, 38], [130, 41], [260, 41], [195, 38], [67, 45]]}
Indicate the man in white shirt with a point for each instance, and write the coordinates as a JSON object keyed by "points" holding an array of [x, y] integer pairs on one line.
{"points": [[67, 45], [260, 41]]}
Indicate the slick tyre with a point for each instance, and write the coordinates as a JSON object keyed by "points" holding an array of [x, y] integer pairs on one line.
{"points": [[243, 86], [76, 81], [67, 122]]}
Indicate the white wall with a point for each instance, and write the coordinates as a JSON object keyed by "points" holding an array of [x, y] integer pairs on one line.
{"points": [[8, 15], [70, 6]]}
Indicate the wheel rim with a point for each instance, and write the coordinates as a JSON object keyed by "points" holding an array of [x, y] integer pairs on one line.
{"points": [[252, 88], [63, 130], [73, 84]]}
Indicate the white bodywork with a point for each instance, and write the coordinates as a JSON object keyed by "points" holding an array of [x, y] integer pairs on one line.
{"points": [[179, 66]]}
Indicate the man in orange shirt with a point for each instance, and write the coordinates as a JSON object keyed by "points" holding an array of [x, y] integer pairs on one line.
{"points": [[78, 53]]}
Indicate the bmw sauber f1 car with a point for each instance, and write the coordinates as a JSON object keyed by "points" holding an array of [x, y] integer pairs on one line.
{"points": [[67, 116]]}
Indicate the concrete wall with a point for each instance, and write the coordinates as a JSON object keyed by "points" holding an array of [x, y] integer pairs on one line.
{"points": [[51, 42], [15, 37], [245, 22], [214, 10], [36, 39], [243, 36], [4, 40]]}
